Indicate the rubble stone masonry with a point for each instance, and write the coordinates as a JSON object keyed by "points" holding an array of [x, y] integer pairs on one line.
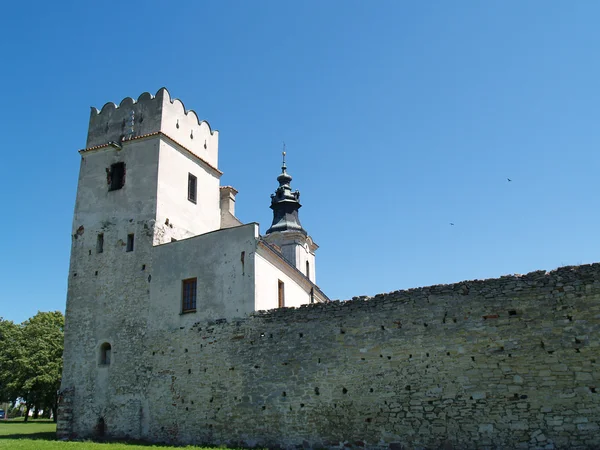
{"points": [[512, 362]]}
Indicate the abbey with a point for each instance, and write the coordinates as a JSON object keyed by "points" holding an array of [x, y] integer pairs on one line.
{"points": [[157, 245], [175, 331]]}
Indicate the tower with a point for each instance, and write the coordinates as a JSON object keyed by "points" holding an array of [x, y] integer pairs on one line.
{"points": [[286, 232], [148, 176], [157, 250]]}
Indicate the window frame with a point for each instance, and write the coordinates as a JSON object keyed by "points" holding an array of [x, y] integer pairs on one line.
{"points": [[189, 307], [192, 193], [100, 243]]}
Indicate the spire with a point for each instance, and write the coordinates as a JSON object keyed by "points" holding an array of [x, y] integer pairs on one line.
{"points": [[285, 204]]}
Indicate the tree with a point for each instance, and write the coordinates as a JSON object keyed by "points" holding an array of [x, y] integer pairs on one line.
{"points": [[9, 352], [31, 361]]}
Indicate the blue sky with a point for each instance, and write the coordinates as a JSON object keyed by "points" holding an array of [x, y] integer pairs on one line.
{"points": [[399, 118]]}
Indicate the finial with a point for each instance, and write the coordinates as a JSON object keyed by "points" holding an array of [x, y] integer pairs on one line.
{"points": [[283, 167]]}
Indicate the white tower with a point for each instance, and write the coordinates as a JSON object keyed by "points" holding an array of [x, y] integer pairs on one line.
{"points": [[148, 176]]}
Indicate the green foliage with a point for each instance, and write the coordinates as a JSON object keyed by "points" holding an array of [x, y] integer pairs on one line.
{"points": [[31, 360]]}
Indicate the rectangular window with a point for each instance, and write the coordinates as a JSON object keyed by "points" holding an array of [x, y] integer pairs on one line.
{"points": [[130, 242], [188, 303], [281, 293], [100, 243], [116, 176], [192, 187]]}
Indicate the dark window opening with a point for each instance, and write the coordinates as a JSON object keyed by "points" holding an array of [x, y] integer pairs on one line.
{"points": [[100, 243], [307, 270], [312, 295], [130, 242], [281, 293], [100, 427], [192, 187], [105, 351], [189, 295], [116, 176]]}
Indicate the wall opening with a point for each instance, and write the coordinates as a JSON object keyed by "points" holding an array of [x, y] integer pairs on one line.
{"points": [[280, 293], [188, 296], [130, 242], [312, 295], [192, 187], [100, 427], [307, 270], [100, 243], [105, 355], [116, 176]]}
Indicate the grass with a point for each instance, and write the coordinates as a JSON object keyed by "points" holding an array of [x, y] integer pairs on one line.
{"points": [[41, 435]]}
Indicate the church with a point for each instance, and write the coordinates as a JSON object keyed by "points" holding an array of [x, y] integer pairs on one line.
{"points": [[156, 245]]}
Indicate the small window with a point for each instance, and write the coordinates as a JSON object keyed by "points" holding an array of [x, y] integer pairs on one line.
{"points": [[281, 293], [105, 350], [307, 270], [192, 187], [116, 176], [100, 243], [130, 242], [188, 303], [312, 295]]}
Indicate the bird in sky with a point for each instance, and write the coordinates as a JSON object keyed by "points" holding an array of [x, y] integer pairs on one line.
{"points": [[451, 224], [509, 179]]}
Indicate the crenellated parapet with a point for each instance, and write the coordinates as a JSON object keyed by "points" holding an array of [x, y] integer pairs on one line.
{"points": [[150, 114]]}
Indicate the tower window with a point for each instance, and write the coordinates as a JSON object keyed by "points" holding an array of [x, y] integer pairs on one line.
{"points": [[130, 242], [188, 301], [116, 176], [281, 293], [192, 187], [105, 351], [307, 270], [100, 243]]}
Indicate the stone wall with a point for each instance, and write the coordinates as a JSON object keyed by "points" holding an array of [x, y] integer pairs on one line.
{"points": [[512, 362]]}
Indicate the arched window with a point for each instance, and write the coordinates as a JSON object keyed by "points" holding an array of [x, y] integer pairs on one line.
{"points": [[105, 354]]}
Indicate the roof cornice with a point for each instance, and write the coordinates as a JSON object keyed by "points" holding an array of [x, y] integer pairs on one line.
{"points": [[149, 135]]}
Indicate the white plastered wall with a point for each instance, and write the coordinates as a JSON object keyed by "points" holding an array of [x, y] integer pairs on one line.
{"points": [[297, 248], [300, 254], [268, 271], [186, 218], [223, 264], [185, 127]]}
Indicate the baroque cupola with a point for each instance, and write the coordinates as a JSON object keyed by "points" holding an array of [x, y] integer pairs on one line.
{"points": [[286, 232], [285, 205]]}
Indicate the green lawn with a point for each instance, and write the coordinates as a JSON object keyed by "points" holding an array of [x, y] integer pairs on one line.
{"points": [[41, 435]]}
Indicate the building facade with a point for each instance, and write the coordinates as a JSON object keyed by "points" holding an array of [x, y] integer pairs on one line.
{"points": [[156, 246]]}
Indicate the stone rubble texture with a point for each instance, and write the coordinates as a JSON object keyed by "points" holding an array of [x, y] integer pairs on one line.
{"points": [[503, 363]]}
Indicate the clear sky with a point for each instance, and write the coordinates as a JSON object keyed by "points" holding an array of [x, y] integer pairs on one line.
{"points": [[399, 118]]}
